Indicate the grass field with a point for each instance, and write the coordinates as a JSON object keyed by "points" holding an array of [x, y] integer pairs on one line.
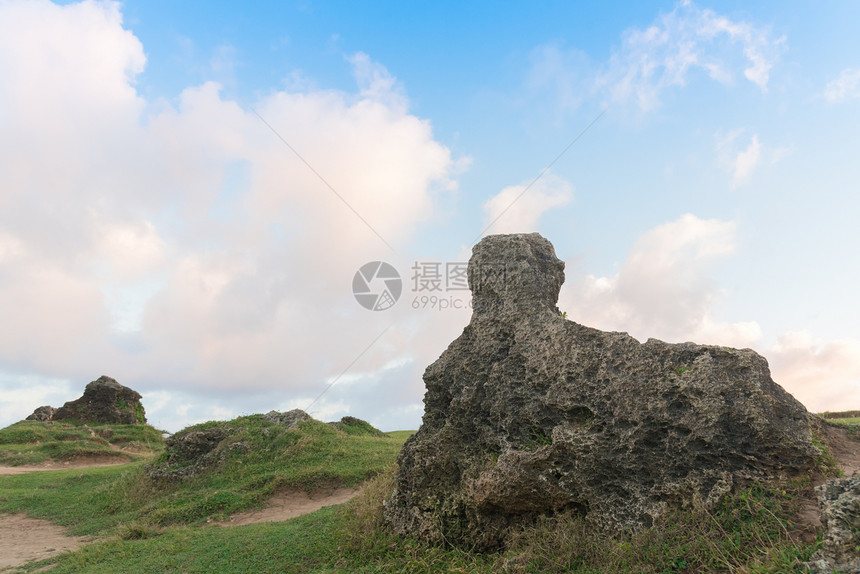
{"points": [[845, 421], [145, 526]]}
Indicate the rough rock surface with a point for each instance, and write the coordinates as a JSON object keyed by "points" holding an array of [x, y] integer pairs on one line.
{"points": [[42, 414], [839, 500], [104, 401], [527, 413], [189, 452], [289, 419]]}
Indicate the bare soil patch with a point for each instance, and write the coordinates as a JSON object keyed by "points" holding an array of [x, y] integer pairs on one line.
{"points": [[844, 449], [292, 503], [23, 539]]}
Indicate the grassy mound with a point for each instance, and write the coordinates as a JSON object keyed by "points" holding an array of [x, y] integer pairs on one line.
{"points": [[34, 442], [252, 459]]}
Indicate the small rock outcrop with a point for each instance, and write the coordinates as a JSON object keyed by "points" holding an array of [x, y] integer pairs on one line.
{"points": [[289, 419], [42, 414], [104, 401], [839, 501], [529, 414], [189, 452]]}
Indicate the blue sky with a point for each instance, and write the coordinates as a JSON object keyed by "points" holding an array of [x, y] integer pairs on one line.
{"points": [[155, 225]]}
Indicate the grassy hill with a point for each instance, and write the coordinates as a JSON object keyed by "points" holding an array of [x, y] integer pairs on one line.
{"points": [[252, 459], [34, 442], [146, 524]]}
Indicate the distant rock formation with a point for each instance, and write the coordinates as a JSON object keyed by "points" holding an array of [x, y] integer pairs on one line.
{"points": [[104, 401], [42, 414], [527, 414]]}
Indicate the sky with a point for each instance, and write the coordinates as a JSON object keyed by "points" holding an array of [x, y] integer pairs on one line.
{"points": [[189, 190]]}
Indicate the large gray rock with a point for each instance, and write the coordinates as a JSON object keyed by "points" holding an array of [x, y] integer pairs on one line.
{"points": [[527, 413], [104, 401], [839, 500]]}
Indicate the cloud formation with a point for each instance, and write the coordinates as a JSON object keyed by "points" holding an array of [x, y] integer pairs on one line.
{"points": [[746, 161], [663, 288], [665, 55], [185, 246], [742, 162], [667, 52], [822, 375], [518, 208], [844, 88]]}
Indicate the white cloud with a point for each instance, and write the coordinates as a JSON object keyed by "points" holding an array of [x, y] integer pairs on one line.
{"points": [[131, 250], [186, 247], [743, 162], [665, 55], [746, 161], [376, 83], [822, 375], [518, 208], [844, 88], [663, 289]]}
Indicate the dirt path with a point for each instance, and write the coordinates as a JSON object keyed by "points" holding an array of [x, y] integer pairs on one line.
{"points": [[84, 462], [845, 450], [23, 539], [290, 504]]}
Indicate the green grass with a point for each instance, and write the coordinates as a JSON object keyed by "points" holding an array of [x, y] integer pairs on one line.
{"points": [[845, 421], [146, 526], [748, 532], [259, 458], [314, 456], [84, 500], [827, 415], [34, 442]]}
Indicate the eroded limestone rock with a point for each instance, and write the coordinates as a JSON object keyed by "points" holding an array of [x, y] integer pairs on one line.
{"points": [[104, 401], [527, 413], [189, 452], [839, 500]]}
